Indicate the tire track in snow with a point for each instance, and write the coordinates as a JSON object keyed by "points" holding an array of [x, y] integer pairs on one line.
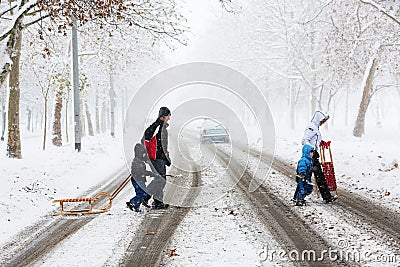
{"points": [[153, 236], [366, 216], [380, 217], [288, 228], [36, 241]]}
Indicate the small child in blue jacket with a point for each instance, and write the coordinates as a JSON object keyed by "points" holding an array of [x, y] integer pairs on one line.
{"points": [[138, 177], [303, 177]]}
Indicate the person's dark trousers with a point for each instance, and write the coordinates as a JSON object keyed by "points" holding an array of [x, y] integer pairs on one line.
{"points": [[320, 178], [156, 187], [296, 192], [141, 194]]}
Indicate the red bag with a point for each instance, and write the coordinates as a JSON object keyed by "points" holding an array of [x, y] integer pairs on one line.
{"points": [[151, 147]]}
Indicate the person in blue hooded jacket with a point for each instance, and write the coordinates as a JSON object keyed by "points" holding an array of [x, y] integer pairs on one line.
{"points": [[304, 172], [312, 137], [138, 177]]}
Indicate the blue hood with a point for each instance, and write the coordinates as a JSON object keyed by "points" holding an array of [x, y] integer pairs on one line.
{"points": [[306, 151]]}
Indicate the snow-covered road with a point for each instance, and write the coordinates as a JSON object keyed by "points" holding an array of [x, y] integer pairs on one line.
{"points": [[225, 226]]}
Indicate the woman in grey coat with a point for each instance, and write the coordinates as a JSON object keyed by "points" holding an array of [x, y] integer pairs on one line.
{"points": [[312, 136]]}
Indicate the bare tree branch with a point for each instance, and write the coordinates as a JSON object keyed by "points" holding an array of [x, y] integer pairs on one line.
{"points": [[227, 5], [36, 20], [21, 13], [7, 9], [380, 9], [318, 13]]}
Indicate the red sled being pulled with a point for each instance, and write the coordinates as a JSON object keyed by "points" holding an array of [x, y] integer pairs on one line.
{"points": [[327, 166]]}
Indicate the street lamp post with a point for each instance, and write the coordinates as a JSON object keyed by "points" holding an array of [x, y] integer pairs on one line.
{"points": [[75, 79]]}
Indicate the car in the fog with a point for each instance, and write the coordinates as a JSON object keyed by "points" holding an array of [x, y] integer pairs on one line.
{"points": [[216, 134]]}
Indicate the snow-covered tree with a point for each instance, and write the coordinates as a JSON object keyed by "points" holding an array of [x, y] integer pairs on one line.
{"points": [[62, 85], [160, 18], [362, 43]]}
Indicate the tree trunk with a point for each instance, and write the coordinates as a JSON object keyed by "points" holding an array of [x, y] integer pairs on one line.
{"points": [[125, 122], [57, 138], [123, 107], [346, 111], [66, 121], [292, 104], [313, 76], [45, 124], [97, 112], [4, 73], [82, 117], [89, 120], [33, 120], [14, 138], [3, 124], [103, 117], [378, 115], [108, 117], [28, 126], [112, 104], [41, 119], [398, 90], [359, 128], [332, 120]]}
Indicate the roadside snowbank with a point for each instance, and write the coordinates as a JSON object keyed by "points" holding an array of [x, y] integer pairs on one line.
{"points": [[29, 185]]}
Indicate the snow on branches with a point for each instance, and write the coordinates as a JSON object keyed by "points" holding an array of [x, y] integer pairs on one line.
{"points": [[156, 16]]}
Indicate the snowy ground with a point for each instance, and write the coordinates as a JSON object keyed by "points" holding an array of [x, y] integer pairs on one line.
{"points": [[29, 185], [368, 166], [199, 241], [102, 242], [342, 230], [224, 232]]}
